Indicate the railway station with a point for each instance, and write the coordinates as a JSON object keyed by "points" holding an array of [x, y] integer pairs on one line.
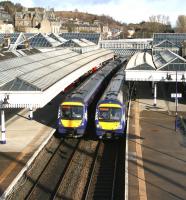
{"points": [[149, 163]]}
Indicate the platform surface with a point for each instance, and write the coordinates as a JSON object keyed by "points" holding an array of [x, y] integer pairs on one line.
{"points": [[157, 153], [23, 138]]}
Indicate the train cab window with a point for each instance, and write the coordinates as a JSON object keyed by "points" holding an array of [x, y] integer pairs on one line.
{"points": [[72, 112], [66, 113], [103, 113], [77, 112], [115, 114], [109, 114]]}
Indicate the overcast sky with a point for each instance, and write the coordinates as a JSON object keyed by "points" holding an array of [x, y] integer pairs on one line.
{"points": [[127, 11]]}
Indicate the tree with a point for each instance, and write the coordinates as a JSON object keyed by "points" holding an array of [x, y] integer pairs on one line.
{"points": [[158, 23], [181, 24], [18, 7]]}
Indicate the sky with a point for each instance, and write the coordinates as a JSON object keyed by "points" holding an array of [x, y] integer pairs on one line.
{"points": [[126, 11]]}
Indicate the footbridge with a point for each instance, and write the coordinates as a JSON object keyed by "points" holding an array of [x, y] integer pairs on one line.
{"points": [[33, 81]]}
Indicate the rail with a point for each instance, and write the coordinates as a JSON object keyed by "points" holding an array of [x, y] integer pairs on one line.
{"points": [[36, 185]]}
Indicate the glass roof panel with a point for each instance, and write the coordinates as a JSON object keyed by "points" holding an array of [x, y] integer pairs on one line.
{"points": [[94, 37]]}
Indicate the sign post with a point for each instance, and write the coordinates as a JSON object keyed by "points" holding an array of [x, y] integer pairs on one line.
{"points": [[173, 95], [176, 96]]}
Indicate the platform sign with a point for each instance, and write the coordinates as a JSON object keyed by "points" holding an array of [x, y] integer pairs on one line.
{"points": [[173, 95]]}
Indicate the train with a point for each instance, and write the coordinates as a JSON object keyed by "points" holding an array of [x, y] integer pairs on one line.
{"points": [[73, 112], [111, 109]]}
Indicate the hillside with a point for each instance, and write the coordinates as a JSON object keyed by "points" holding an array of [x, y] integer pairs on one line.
{"points": [[89, 17], [11, 8]]}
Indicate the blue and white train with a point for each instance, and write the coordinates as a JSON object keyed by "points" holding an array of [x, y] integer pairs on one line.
{"points": [[110, 119], [73, 112]]}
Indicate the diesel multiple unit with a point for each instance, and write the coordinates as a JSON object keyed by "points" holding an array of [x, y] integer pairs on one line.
{"points": [[73, 112], [111, 110]]}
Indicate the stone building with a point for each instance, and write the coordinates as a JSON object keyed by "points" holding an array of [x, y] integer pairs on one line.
{"points": [[88, 28], [37, 20], [6, 22]]}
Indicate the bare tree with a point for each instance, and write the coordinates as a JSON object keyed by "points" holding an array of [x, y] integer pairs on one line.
{"points": [[181, 24], [162, 19], [158, 23]]}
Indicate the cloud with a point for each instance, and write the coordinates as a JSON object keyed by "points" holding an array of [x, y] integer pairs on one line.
{"points": [[26, 3]]}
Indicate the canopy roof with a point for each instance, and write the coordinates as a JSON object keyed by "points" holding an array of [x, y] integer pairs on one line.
{"points": [[176, 38], [93, 37], [40, 71], [141, 61], [36, 79], [165, 60]]}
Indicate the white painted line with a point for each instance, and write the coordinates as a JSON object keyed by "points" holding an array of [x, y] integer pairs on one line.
{"points": [[127, 155], [25, 168]]}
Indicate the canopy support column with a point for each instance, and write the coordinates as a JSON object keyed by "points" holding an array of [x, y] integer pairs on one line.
{"points": [[3, 130], [30, 113], [152, 87], [155, 94]]}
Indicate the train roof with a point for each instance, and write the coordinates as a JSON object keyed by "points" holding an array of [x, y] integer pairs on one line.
{"points": [[114, 87], [86, 90]]}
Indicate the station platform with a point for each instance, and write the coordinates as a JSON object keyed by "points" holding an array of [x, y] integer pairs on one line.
{"points": [[24, 140], [156, 152]]}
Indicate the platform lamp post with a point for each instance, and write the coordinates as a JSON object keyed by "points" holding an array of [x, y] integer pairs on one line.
{"points": [[3, 129], [176, 115], [176, 98]]}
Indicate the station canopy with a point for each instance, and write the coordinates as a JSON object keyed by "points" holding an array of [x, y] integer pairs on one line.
{"points": [[43, 40], [165, 44], [165, 60], [57, 37], [36, 79], [141, 61], [163, 66], [93, 37], [14, 37], [174, 38], [77, 43]]}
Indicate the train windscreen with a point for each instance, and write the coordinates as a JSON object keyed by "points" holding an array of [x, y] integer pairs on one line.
{"points": [[109, 114], [72, 112]]}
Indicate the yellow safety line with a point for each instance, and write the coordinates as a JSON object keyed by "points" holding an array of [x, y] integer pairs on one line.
{"points": [[140, 169]]}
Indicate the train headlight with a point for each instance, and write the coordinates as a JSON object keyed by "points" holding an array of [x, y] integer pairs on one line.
{"points": [[120, 126], [98, 125]]}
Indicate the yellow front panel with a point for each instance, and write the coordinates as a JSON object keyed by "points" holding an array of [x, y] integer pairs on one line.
{"points": [[72, 104], [71, 123], [110, 105], [109, 125]]}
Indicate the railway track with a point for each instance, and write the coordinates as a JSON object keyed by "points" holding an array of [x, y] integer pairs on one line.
{"points": [[107, 177], [104, 179], [50, 177], [98, 168]]}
